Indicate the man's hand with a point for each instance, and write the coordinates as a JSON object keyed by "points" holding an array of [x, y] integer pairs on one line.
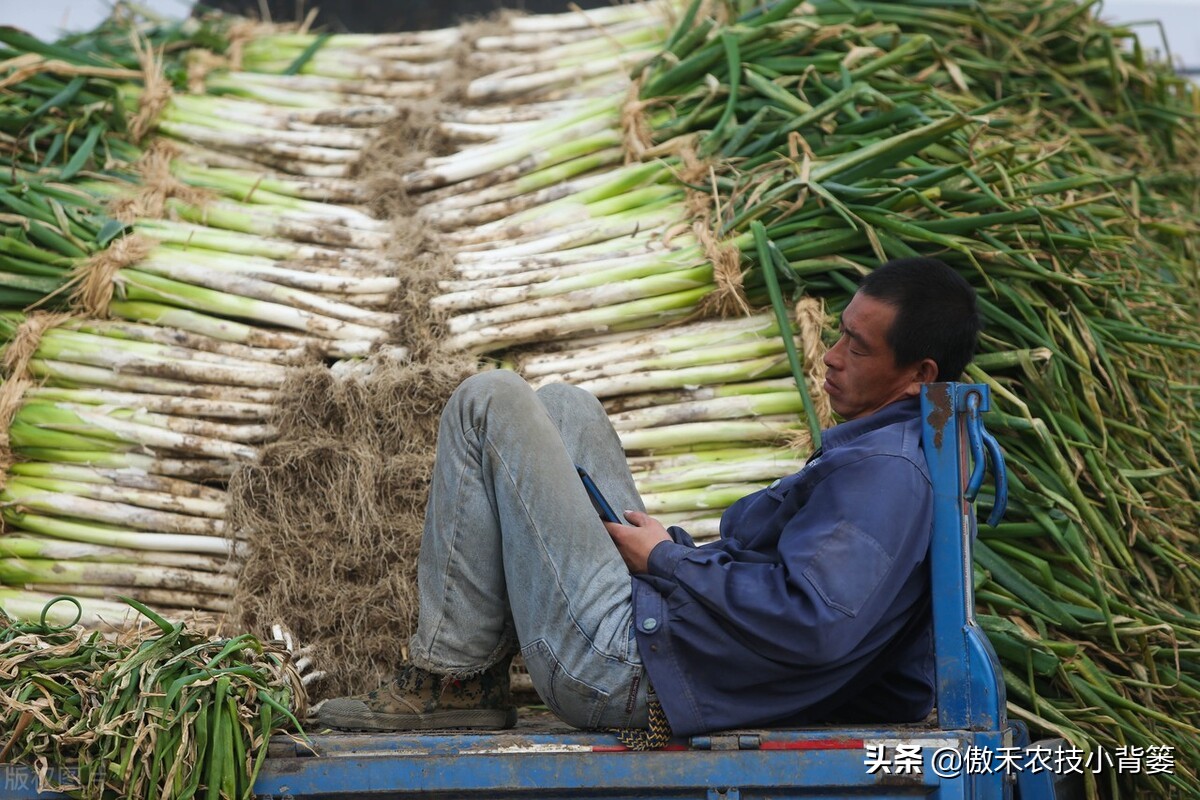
{"points": [[635, 540]]}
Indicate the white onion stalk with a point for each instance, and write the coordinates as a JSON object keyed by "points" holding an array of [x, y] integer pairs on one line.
{"points": [[156, 501], [213, 500], [603, 16], [153, 334], [761, 429], [57, 503], [247, 186], [221, 277], [704, 410], [286, 144], [474, 193], [158, 599], [713, 497], [368, 42], [241, 433], [630, 402], [655, 218], [623, 316], [200, 127], [717, 354], [309, 92], [472, 133], [23, 546], [283, 224], [38, 422], [138, 339], [188, 234], [231, 331], [352, 69], [654, 256], [500, 290], [560, 139], [157, 360], [44, 571], [164, 258], [95, 533], [461, 211], [94, 614], [602, 295], [336, 91], [225, 329], [139, 285], [200, 469], [506, 162], [369, 302], [641, 244], [535, 44], [704, 334], [526, 112], [60, 372], [584, 208], [567, 45], [722, 465], [111, 492], [269, 116], [517, 81], [650, 380]]}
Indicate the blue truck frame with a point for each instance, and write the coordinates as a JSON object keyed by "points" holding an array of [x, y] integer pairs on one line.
{"points": [[971, 751]]}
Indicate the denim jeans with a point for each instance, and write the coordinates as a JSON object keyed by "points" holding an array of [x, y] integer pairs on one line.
{"points": [[513, 551]]}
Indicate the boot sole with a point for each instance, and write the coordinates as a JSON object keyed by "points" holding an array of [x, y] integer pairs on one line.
{"points": [[474, 718]]}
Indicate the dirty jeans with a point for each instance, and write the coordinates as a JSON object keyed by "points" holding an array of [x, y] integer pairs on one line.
{"points": [[512, 544]]}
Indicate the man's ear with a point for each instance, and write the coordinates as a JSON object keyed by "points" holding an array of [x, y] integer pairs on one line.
{"points": [[925, 371]]}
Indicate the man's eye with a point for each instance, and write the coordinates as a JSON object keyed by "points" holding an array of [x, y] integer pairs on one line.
{"points": [[857, 352]]}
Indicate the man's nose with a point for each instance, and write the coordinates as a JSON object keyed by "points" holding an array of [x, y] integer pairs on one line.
{"points": [[832, 357]]}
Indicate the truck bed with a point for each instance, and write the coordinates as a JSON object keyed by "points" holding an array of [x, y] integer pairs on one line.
{"points": [[546, 758]]}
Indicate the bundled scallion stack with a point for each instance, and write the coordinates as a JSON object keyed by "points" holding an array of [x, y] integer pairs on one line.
{"points": [[176, 281], [1023, 142], [668, 204]]}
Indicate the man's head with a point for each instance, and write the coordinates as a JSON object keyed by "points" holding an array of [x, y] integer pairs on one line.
{"points": [[912, 321]]}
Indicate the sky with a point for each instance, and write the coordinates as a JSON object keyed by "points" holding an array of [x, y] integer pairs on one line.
{"points": [[47, 18]]}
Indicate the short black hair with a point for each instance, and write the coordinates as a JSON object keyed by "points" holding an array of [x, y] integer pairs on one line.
{"points": [[937, 316]]}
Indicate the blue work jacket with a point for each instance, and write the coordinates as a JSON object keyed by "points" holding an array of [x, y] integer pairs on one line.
{"points": [[813, 604]]}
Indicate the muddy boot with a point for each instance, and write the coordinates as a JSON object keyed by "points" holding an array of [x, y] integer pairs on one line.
{"points": [[422, 700]]}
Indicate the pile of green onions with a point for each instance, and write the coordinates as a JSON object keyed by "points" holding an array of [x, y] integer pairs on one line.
{"points": [[161, 712], [1017, 140], [620, 178], [257, 260]]}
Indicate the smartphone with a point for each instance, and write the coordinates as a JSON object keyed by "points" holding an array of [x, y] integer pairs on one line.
{"points": [[598, 502]]}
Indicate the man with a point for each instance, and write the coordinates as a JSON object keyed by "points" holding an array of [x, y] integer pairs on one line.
{"points": [[813, 605]]}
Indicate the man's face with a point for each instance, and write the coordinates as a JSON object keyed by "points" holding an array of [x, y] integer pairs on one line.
{"points": [[863, 375]]}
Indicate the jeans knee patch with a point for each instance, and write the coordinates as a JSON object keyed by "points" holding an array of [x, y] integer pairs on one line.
{"points": [[574, 701]]}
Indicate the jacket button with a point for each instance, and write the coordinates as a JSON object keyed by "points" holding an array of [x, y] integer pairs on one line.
{"points": [[649, 624]]}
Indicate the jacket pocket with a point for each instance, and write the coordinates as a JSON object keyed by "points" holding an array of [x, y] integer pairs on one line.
{"points": [[575, 702], [848, 568]]}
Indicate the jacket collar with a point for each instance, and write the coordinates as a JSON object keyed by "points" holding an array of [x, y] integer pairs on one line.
{"points": [[900, 411]]}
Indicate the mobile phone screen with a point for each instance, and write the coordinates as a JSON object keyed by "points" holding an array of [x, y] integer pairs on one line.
{"points": [[598, 502]]}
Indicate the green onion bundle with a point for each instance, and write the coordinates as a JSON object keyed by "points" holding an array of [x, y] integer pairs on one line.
{"points": [[165, 712], [251, 259]]}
